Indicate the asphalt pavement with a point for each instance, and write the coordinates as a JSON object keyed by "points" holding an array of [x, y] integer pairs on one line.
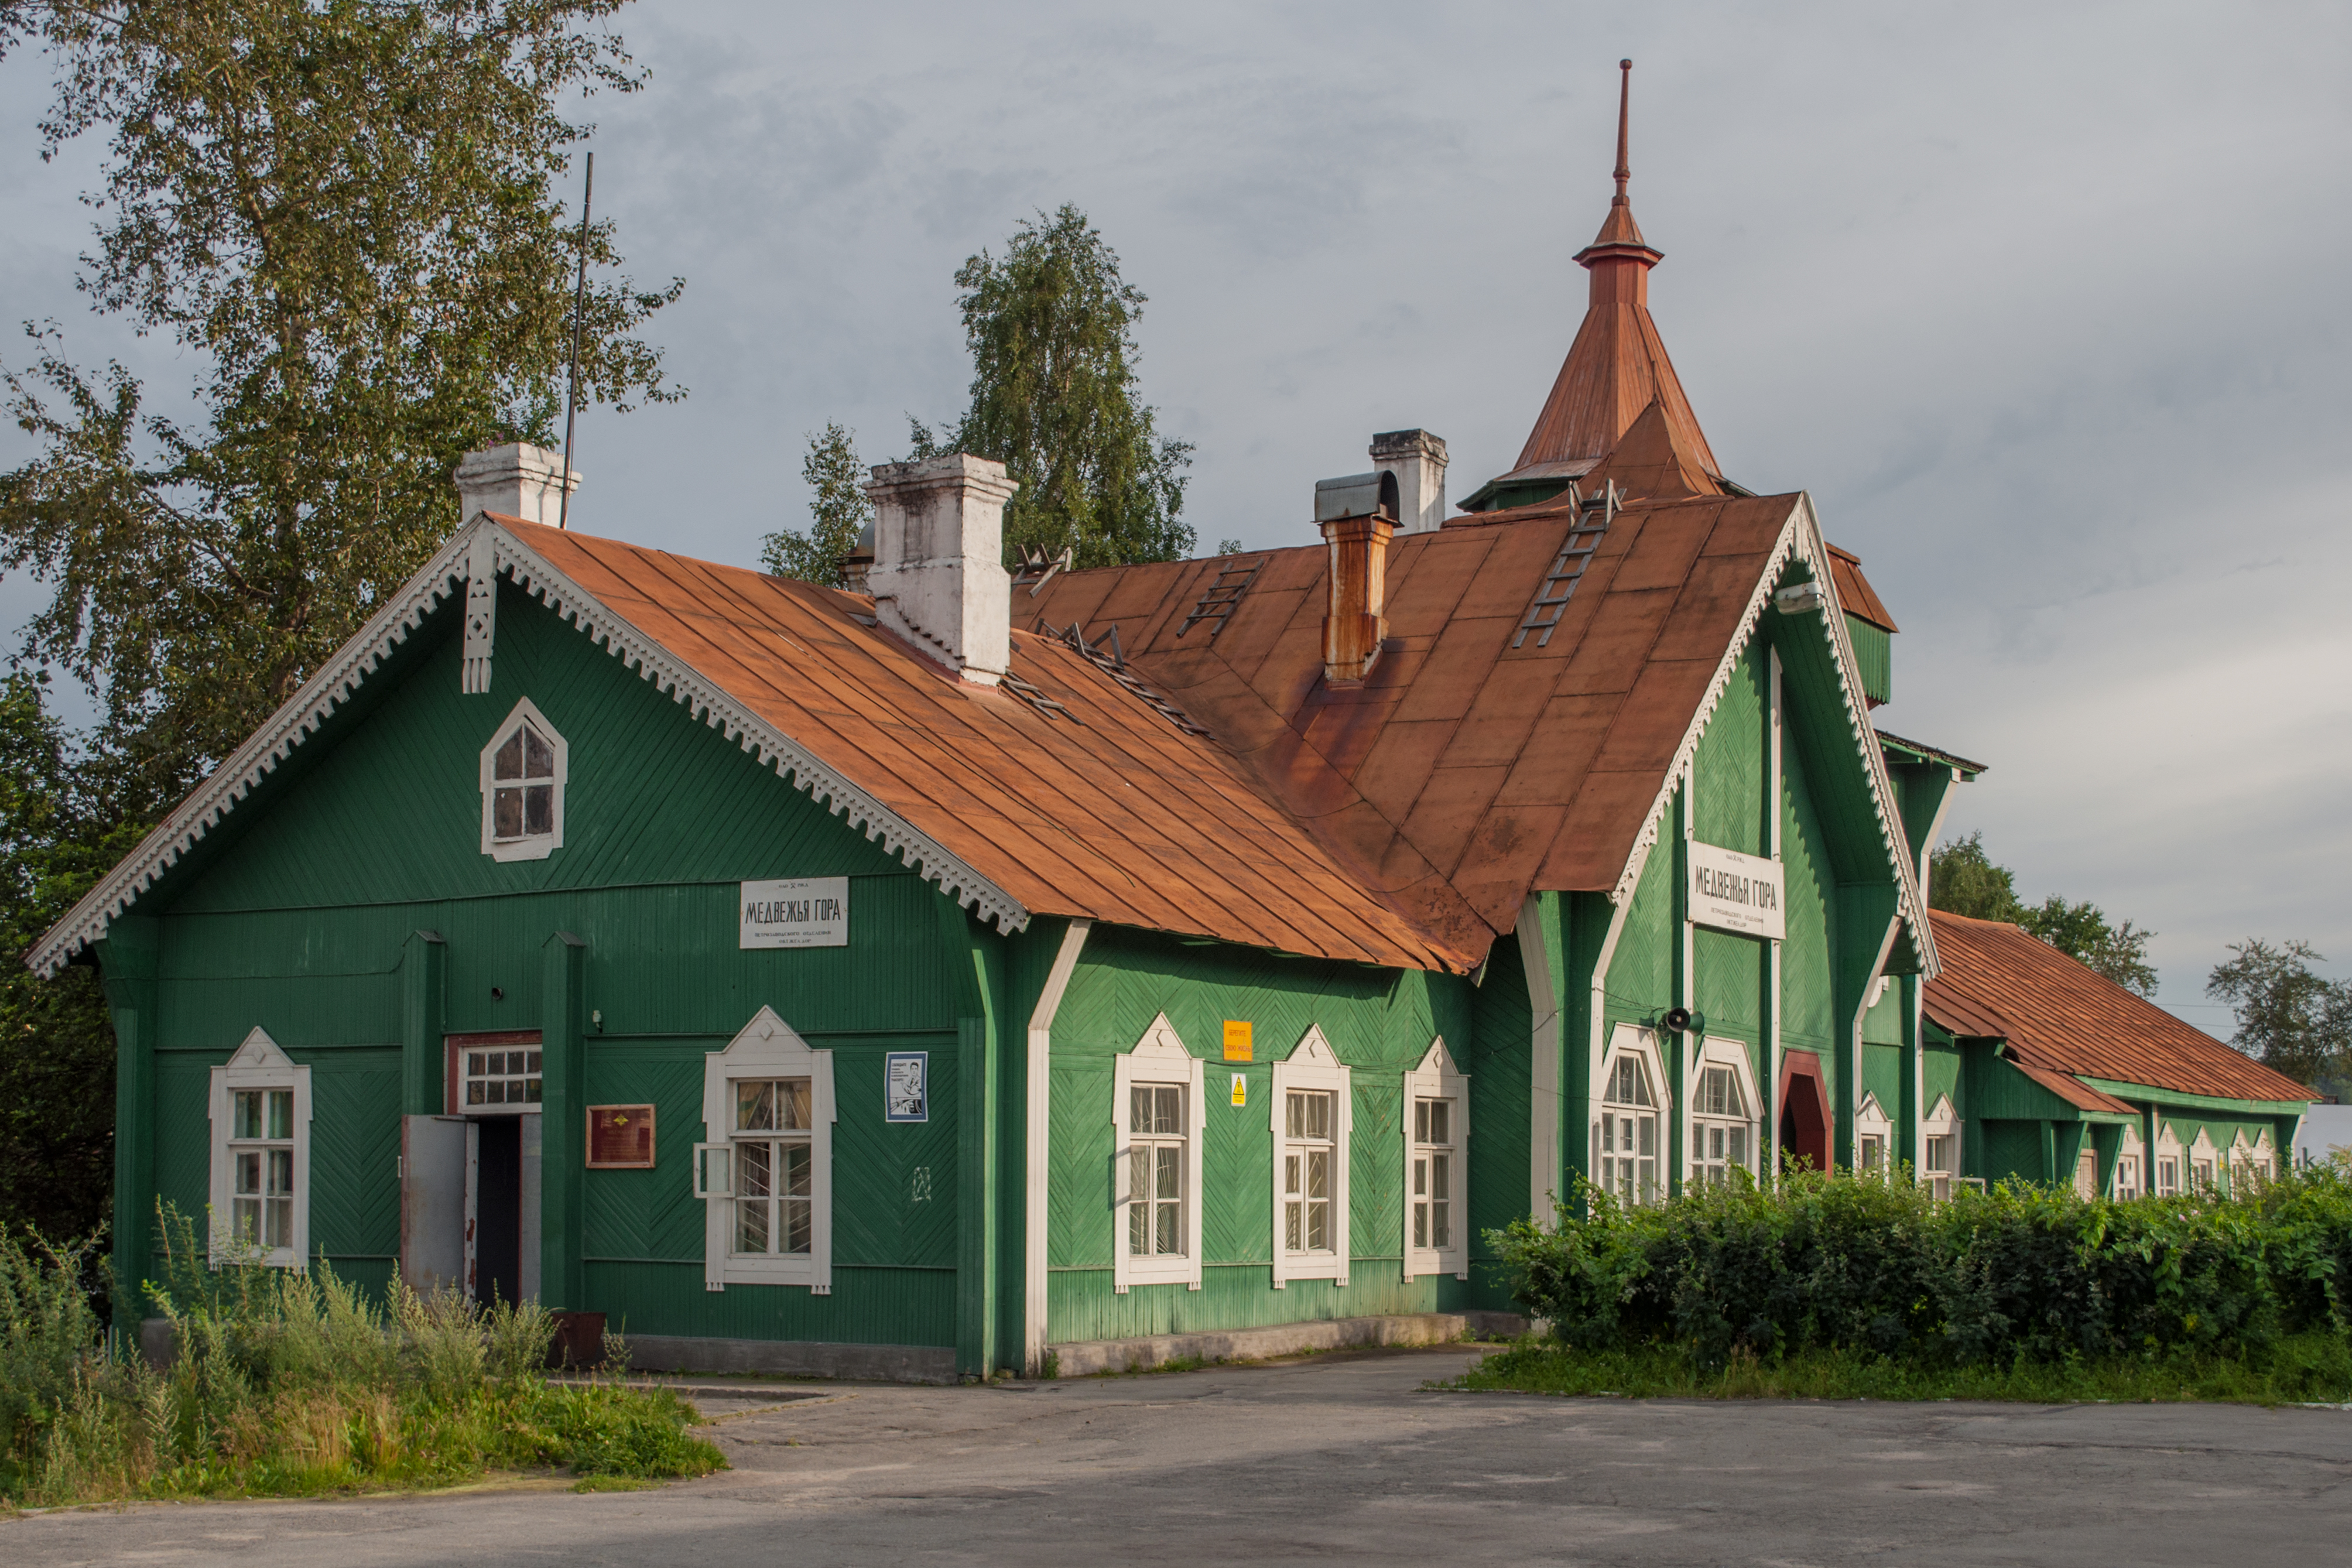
{"points": [[1342, 1460]]}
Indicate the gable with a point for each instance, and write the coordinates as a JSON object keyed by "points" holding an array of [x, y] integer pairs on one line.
{"points": [[387, 808]]}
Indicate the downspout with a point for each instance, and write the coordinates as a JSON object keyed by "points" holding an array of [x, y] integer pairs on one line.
{"points": [[1037, 1166], [1543, 1064]]}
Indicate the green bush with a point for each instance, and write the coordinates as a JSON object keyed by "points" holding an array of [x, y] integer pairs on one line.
{"points": [[1842, 1263], [288, 1383]]}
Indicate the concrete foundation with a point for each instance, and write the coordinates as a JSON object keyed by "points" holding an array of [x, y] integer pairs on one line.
{"points": [[1082, 1357], [794, 1358]]}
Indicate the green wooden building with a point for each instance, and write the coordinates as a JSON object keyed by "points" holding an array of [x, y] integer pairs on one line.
{"points": [[983, 970]]}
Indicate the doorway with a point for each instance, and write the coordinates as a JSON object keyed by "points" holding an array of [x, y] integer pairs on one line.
{"points": [[1804, 1110], [497, 1210]]}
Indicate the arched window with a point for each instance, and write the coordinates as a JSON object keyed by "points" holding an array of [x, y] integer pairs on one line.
{"points": [[2131, 1159], [1313, 1112], [1627, 1146], [261, 1157], [1875, 1138], [523, 769], [2169, 1160], [765, 1173], [1436, 1175], [1723, 1133]]}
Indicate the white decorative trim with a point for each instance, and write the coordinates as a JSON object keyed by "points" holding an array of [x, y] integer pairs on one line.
{"points": [[1438, 1077], [309, 708], [481, 617], [1313, 1065], [1160, 1056], [1800, 540], [1632, 1039], [1037, 1144], [767, 1046], [2130, 1146], [538, 846], [258, 1063]]}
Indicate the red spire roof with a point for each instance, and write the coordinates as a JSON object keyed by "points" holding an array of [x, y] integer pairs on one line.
{"points": [[1618, 364]]}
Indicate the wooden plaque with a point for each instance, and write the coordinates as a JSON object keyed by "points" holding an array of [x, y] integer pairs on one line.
{"points": [[620, 1137]]}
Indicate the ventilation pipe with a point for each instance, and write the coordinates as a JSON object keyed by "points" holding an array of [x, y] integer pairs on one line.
{"points": [[514, 481], [1357, 515], [938, 577]]}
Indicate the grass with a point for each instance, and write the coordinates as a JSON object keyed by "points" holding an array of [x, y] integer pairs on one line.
{"points": [[2303, 1369], [296, 1384]]}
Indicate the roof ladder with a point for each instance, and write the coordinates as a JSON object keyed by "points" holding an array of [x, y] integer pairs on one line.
{"points": [[1584, 536], [1224, 596]]}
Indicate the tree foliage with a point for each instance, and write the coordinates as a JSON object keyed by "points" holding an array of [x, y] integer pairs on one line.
{"points": [[59, 831], [839, 510], [1962, 879], [1051, 326], [2288, 1017], [346, 211]]}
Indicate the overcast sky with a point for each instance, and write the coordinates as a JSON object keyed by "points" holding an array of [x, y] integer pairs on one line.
{"points": [[2046, 306]]}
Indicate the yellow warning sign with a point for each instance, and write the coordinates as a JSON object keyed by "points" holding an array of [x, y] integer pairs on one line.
{"points": [[1241, 1090], [1237, 1042]]}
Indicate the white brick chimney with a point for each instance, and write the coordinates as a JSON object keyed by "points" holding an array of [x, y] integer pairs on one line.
{"points": [[1417, 459], [939, 577], [514, 481]]}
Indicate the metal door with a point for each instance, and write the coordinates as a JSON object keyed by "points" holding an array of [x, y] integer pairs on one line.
{"points": [[433, 1203]]}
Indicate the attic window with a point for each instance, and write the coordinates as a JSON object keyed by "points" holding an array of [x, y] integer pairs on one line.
{"points": [[523, 769]]}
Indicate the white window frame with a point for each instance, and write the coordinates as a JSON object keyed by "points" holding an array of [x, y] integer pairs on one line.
{"points": [[2132, 1147], [538, 846], [1439, 1077], [1942, 1121], [1315, 1068], [1161, 1056], [1631, 1040], [258, 1064], [2168, 1149], [767, 1047], [1871, 1121], [2203, 1152], [1732, 1054]]}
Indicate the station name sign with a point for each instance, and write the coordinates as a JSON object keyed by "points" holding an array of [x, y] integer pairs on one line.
{"points": [[813, 912], [1732, 891]]}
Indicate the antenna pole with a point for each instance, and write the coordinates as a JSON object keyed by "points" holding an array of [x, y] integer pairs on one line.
{"points": [[579, 300]]}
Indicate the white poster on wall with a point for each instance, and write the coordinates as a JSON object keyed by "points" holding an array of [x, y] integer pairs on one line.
{"points": [[813, 912], [1732, 891]]}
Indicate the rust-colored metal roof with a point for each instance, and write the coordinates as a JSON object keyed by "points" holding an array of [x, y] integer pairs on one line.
{"points": [[1463, 773], [1998, 982], [1114, 814], [1854, 591]]}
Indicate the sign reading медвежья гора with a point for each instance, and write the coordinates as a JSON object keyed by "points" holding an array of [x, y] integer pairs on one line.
{"points": [[810, 911], [1732, 891]]}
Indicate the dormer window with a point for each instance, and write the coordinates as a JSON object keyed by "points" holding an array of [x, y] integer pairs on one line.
{"points": [[522, 787]]}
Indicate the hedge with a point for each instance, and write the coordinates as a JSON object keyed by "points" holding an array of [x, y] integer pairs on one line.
{"points": [[1842, 1262]]}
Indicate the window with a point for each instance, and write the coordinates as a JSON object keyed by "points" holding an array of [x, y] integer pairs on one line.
{"points": [[775, 1183], [2131, 1164], [1874, 1137], [1625, 1139], [502, 1077], [2086, 1173], [2203, 1160], [1312, 1112], [1436, 1128], [2168, 1175], [261, 1155], [261, 1159], [1156, 1126], [523, 769], [1940, 1149], [1432, 1174], [2250, 1166], [765, 1174], [1723, 1131], [1158, 1117]]}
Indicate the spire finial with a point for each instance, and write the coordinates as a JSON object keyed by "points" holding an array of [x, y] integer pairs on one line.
{"points": [[1625, 94]]}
